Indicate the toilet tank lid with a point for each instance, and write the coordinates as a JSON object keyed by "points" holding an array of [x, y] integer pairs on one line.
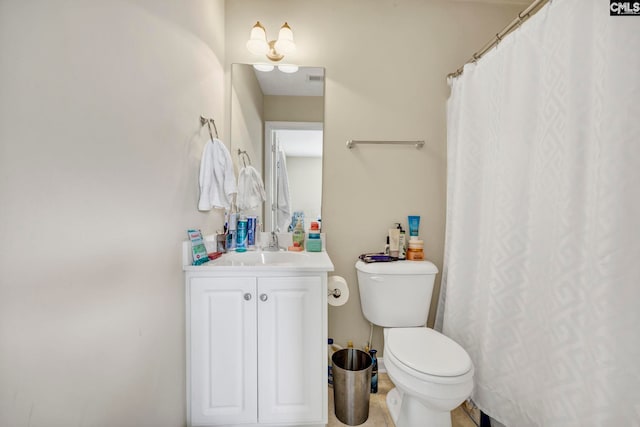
{"points": [[397, 267]]}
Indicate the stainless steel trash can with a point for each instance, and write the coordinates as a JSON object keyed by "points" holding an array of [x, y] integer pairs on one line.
{"points": [[351, 385]]}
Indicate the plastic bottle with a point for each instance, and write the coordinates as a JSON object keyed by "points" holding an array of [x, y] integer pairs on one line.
{"points": [[332, 348], [298, 234], [314, 230], [314, 243], [402, 243], [241, 243], [374, 371], [252, 223], [416, 250], [231, 236]]}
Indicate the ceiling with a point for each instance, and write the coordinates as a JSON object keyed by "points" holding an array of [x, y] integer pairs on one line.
{"points": [[307, 81]]}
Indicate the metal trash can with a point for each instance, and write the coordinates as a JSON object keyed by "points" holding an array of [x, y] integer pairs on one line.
{"points": [[351, 385]]}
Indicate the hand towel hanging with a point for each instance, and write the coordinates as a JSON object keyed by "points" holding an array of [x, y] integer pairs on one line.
{"points": [[251, 192], [283, 211], [217, 180]]}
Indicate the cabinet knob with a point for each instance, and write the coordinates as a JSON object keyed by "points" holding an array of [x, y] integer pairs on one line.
{"points": [[263, 297], [247, 296]]}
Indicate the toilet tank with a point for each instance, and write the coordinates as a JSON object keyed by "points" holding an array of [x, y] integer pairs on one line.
{"points": [[396, 294]]}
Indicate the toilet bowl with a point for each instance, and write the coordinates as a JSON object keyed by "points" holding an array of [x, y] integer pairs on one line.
{"points": [[432, 373]]}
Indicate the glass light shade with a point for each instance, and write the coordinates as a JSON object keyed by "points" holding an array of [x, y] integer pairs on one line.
{"points": [[257, 43], [285, 44], [263, 67], [288, 68]]}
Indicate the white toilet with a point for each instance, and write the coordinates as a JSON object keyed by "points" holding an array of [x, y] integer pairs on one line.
{"points": [[432, 373]]}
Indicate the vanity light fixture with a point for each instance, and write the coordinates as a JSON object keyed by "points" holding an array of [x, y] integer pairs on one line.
{"points": [[275, 50]]}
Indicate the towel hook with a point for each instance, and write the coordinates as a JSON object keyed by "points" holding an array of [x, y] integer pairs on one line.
{"points": [[209, 122], [240, 153]]}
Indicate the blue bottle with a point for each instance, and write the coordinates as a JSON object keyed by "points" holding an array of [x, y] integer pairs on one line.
{"points": [[231, 233], [241, 243], [374, 371], [330, 366]]}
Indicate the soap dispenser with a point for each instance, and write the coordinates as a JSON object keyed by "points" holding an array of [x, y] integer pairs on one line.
{"points": [[298, 234]]}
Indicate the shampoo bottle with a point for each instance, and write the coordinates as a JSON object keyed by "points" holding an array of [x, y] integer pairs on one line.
{"points": [[241, 235], [402, 244], [231, 237], [394, 243]]}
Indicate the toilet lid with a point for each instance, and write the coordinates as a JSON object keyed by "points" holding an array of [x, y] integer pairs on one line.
{"points": [[428, 351]]}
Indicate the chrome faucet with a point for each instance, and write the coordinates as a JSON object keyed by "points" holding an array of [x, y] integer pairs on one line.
{"points": [[273, 243]]}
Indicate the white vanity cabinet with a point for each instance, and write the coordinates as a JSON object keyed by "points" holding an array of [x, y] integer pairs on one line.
{"points": [[256, 350]]}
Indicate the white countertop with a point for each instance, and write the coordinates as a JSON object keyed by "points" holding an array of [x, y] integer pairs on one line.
{"points": [[261, 261]]}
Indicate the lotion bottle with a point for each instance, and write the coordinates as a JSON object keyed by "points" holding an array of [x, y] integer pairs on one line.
{"points": [[402, 244], [394, 242]]}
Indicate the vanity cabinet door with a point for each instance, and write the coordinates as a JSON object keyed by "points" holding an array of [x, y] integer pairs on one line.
{"points": [[291, 357], [222, 359]]}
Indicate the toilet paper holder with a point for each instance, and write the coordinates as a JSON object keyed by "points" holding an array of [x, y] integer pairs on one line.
{"points": [[337, 291]]}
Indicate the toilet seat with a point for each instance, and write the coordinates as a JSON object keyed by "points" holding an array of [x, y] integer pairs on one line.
{"points": [[427, 354]]}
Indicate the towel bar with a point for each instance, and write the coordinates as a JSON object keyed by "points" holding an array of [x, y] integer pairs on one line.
{"points": [[418, 144]]}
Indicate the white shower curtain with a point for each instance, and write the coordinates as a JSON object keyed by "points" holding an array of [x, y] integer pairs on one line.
{"points": [[541, 282]]}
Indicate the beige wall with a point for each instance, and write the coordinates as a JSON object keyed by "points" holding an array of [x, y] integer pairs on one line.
{"points": [[247, 120], [305, 186], [293, 108], [100, 144], [386, 63]]}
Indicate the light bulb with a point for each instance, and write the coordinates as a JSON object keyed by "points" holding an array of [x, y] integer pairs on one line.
{"points": [[257, 43], [285, 44], [263, 67], [288, 68]]}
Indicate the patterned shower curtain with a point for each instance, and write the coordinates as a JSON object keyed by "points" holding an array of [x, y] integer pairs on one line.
{"points": [[541, 282]]}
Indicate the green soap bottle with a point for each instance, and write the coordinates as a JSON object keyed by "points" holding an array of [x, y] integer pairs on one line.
{"points": [[298, 234]]}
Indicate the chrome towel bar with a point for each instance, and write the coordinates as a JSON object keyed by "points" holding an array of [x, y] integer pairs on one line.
{"points": [[418, 144]]}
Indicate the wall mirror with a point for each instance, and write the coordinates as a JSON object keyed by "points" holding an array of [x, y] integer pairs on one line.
{"points": [[277, 122]]}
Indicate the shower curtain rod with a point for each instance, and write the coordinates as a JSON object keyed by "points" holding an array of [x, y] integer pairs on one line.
{"points": [[522, 16]]}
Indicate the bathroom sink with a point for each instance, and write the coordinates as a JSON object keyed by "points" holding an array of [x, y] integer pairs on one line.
{"points": [[267, 258], [253, 260]]}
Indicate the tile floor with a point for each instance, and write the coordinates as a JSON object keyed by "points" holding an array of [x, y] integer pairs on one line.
{"points": [[379, 415]]}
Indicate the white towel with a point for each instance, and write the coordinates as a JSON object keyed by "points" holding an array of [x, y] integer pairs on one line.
{"points": [[283, 212], [217, 181], [250, 189]]}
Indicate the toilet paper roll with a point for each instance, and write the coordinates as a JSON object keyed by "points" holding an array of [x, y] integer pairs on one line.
{"points": [[338, 291]]}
